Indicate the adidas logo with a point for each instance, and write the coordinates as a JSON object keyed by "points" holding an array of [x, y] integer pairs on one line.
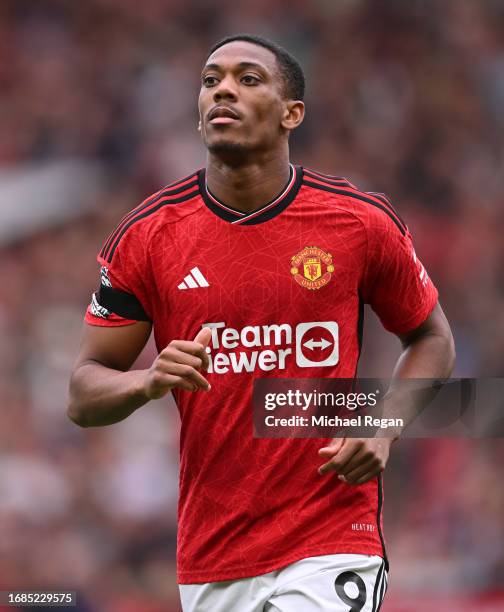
{"points": [[194, 280]]}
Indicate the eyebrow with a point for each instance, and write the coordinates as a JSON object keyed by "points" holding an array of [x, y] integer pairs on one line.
{"points": [[241, 66]]}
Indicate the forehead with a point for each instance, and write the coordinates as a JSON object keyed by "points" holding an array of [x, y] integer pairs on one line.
{"points": [[240, 51]]}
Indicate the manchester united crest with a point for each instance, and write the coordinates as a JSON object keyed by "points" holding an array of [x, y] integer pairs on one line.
{"points": [[312, 268]]}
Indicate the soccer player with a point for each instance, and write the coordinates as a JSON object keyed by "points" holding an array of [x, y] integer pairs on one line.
{"points": [[236, 268]]}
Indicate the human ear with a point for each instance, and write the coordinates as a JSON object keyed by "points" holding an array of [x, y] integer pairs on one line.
{"points": [[293, 114]]}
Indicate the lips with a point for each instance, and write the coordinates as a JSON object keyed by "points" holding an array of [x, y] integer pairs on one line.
{"points": [[222, 115]]}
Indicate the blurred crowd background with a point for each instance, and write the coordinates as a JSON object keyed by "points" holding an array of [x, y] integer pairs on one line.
{"points": [[97, 111]]}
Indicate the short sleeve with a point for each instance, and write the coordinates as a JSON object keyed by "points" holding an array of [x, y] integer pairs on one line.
{"points": [[122, 297], [395, 282]]}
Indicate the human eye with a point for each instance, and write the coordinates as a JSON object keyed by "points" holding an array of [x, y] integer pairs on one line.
{"points": [[250, 79], [208, 80]]}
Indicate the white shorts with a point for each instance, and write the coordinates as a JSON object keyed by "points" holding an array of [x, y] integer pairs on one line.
{"points": [[340, 583]]}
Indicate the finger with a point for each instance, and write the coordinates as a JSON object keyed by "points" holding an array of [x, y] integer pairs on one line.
{"points": [[326, 468], [362, 456], [366, 467], [173, 355], [370, 474], [187, 372], [187, 346], [168, 363], [192, 348], [205, 359], [183, 383], [162, 383], [347, 451], [332, 448], [203, 336]]}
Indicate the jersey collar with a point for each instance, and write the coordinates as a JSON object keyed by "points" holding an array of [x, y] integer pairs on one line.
{"points": [[264, 213]]}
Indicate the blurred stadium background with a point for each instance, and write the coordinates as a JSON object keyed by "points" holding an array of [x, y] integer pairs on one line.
{"points": [[98, 110]]}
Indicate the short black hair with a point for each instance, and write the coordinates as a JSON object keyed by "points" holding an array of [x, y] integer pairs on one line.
{"points": [[290, 69]]}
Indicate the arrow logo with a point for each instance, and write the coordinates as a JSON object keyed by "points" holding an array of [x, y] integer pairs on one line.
{"points": [[311, 344], [302, 360]]}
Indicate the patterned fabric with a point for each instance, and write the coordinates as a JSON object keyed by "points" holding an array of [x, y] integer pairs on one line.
{"points": [[311, 256]]}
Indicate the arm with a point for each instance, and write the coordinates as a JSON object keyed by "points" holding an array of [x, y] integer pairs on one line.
{"points": [[428, 352], [103, 391]]}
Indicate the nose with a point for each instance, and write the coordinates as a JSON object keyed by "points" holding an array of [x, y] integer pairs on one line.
{"points": [[225, 90]]}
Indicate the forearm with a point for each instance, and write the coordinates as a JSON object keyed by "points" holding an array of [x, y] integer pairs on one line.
{"points": [[102, 396], [430, 356]]}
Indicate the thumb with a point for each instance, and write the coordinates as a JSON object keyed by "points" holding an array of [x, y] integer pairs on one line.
{"points": [[203, 336], [333, 447]]}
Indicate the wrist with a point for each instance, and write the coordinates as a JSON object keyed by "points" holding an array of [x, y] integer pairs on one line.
{"points": [[141, 385], [390, 434]]}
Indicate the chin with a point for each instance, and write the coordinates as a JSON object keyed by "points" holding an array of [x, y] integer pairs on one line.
{"points": [[229, 149]]}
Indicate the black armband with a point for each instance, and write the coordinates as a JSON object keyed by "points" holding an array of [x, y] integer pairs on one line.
{"points": [[121, 303]]}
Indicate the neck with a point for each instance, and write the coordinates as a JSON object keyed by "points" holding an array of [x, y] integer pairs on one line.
{"points": [[250, 185]]}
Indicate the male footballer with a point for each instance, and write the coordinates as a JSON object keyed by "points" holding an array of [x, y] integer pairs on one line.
{"points": [[226, 266]]}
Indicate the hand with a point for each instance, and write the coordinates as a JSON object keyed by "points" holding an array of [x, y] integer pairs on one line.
{"points": [[178, 365], [356, 460]]}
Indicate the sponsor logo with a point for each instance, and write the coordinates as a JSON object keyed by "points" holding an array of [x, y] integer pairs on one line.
{"points": [[194, 280], [272, 347], [329, 339], [312, 268]]}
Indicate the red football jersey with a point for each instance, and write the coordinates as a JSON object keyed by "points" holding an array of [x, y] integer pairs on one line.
{"points": [[308, 259]]}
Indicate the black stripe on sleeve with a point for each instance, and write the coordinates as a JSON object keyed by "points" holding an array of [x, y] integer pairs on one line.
{"points": [[121, 303], [388, 203], [360, 197], [136, 211], [160, 204]]}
